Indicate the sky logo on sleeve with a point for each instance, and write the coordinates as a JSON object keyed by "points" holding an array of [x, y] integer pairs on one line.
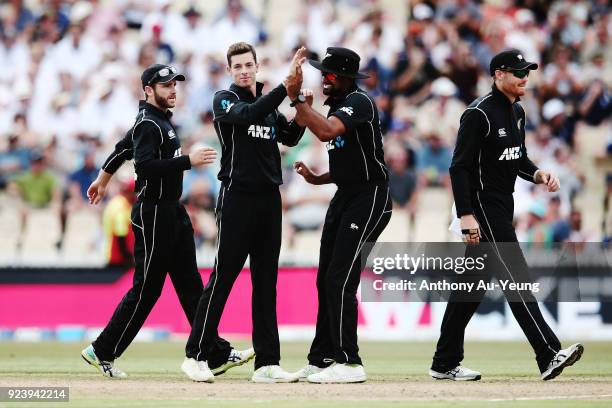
{"points": [[336, 143], [226, 105]]}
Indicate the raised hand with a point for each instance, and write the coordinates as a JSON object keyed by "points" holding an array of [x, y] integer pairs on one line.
{"points": [[293, 81]]}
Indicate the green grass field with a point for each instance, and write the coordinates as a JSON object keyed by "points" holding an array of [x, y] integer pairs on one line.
{"points": [[397, 377]]}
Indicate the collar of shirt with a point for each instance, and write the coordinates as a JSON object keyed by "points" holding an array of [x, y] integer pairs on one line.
{"points": [[245, 94], [154, 111], [500, 97], [334, 101]]}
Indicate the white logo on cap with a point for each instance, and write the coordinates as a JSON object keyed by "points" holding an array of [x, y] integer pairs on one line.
{"points": [[327, 55], [519, 57]]}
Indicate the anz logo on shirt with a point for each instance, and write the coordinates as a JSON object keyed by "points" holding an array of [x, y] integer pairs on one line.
{"points": [[511, 153], [336, 143], [262, 132]]}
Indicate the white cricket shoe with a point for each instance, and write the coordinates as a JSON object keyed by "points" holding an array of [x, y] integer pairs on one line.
{"points": [[563, 358], [458, 373], [107, 368], [339, 374], [304, 372], [272, 374], [197, 370], [235, 359]]}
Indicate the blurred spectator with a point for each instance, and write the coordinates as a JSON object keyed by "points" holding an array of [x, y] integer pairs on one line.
{"points": [[14, 159], [195, 35], [463, 70], [566, 26], [559, 224], [53, 22], [577, 234], [561, 125], [539, 234], [570, 176], [307, 204], [377, 87], [596, 105], [440, 114], [164, 53], [542, 145], [76, 53], [376, 37], [74, 197], [527, 36], [17, 17], [37, 188], [562, 77], [118, 229], [199, 202], [235, 24], [413, 74], [164, 23], [403, 183], [433, 162]]}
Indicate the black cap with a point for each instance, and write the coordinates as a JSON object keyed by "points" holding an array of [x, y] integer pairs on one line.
{"points": [[155, 74], [340, 61], [510, 60]]}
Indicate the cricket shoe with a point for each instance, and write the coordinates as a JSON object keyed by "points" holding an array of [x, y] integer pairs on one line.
{"points": [[235, 359], [272, 374], [458, 373], [563, 358], [303, 373], [107, 368], [197, 370], [339, 374]]}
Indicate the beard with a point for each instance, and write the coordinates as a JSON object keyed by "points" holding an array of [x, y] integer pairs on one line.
{"points": [[161, 102]]}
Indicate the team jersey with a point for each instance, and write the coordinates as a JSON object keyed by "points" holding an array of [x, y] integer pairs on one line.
{"points": [[356, 157]]}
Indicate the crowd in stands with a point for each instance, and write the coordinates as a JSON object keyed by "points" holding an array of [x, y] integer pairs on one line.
{"points": [[69, 87]]}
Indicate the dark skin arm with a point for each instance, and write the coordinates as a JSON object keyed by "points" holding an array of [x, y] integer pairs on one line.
{"points": [[309, 176], [323, 128]]}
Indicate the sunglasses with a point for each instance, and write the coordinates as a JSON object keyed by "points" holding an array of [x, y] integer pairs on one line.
{"points": [[164, 72], [329, 76], [519, 73]]}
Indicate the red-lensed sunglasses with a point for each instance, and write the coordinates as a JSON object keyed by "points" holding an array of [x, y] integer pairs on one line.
{"points": [[330, 76]]}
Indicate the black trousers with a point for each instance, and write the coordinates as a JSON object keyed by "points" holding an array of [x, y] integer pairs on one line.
{"points": [[505, 261], [248, 224], [355, 216], [163, 244]]}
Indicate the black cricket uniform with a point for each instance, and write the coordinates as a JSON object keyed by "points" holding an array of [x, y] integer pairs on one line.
{"points": [[358, 213], [162, 229], [249, 218], [490, 153]]}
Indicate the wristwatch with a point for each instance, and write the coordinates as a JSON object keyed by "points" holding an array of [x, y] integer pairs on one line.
{"points": [[300, 99]]}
